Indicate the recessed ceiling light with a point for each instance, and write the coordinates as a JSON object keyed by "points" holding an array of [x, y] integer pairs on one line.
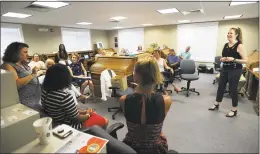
{"points": [[167, 11], [16, 15], [232, 17], [118, 18], [118, 27], [147, 24], [52, 4], [241, 2], [84, 23], [184, 21]]}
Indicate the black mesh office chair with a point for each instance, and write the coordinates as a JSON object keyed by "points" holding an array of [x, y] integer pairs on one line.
{"points": [[114, 146], [188, 72], [217, 66], [117, 93]]}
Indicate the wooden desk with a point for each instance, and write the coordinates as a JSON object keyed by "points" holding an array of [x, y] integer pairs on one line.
{"points": [[252, 87], [121, 65], [55, 144]]}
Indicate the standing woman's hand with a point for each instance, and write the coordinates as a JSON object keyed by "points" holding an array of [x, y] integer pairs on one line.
{"points": [[223, 59], [34, 70], [229, 59]]}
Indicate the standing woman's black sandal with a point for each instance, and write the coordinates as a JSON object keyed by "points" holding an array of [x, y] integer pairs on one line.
{"points": [[231, 116], [215, 107]]}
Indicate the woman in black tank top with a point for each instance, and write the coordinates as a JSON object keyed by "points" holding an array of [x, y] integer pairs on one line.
{"points": [[233, 56], [145, 110]]}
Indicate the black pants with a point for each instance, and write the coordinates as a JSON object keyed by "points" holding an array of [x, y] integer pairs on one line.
{"points": [[231, 76]]}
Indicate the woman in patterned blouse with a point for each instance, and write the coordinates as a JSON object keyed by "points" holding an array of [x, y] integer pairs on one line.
{"points": [[78, 73], [15, 60]]}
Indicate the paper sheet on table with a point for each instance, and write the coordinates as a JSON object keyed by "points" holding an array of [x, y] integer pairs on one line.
{"points": [[83, 143], [256, 69]]}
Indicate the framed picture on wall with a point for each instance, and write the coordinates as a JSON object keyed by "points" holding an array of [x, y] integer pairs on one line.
{"points": [[116, 45], [116, 40], [100, 45]]}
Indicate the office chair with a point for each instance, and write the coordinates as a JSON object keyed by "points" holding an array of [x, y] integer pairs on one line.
{"points": [[114, 146], [187, 72], [217, 66], [117, 93]]}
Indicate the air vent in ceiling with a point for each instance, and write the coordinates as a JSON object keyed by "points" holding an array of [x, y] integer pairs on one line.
{"points": [[193, 11], [117, 21], [38, 8]]}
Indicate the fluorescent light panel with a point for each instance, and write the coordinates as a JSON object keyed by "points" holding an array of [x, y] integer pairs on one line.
{"points": [[52, 4], [242, 2], [118, 27], [167, 11], [118, 18], [84, 23], [184, 21], [233, 17], [147, 24], [16, 15]]}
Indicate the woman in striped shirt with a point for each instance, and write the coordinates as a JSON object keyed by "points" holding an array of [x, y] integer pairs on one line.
{"points": [[59, 104]]}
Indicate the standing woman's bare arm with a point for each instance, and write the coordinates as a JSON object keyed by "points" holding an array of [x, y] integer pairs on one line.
{"points": [[242, 53], [84, 70], [122, 102], [167, 102], [20, 82]]}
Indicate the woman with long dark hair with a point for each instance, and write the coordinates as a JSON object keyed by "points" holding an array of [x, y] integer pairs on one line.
{"points": [[62, 54], [233, 56]]}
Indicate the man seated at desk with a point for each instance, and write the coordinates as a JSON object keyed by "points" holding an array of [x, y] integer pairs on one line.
{"points": [[173, 60]]}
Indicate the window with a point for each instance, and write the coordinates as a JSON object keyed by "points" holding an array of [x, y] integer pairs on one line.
{"points": [[10, 33], [131, 38], [76, 39], [201, 37]]}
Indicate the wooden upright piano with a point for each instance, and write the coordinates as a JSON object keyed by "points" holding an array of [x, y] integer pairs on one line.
{"points": [[121, 65]]}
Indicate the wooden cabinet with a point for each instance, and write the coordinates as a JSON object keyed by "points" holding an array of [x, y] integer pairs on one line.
{"points": [[121, 65]]}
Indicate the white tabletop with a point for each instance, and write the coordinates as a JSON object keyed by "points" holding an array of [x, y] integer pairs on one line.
{"points": [[53, 146]]}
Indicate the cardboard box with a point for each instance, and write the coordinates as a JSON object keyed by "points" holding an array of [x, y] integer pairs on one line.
{"points": [[9, 93], [17, 127], [120, 82]]}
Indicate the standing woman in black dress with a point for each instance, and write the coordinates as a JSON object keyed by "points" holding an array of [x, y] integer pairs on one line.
{"points": [[233, 56], [61, 55]]}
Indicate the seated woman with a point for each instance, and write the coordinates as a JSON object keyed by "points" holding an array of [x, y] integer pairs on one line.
{"points": [[36, 62], [162, 64], [59, 104], [78, 73], [15, 60], [72, 89], [150, 109]]}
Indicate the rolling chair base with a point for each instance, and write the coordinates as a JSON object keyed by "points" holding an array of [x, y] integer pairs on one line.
{"points": [[189, 90], [118, 110]]}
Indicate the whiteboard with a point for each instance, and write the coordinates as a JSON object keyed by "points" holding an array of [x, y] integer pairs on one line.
{"points": [[201, 37]]}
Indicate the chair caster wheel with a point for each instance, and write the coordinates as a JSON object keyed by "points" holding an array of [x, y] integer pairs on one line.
{"points": [[242, 95], [198, 93], [187, 95], [113, 118]]}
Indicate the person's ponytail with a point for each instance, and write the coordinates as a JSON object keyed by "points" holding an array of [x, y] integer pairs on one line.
{"points": [[239, 35]]}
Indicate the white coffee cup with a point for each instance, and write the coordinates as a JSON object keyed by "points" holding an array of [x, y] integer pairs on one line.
{"points": [[43, 128]]}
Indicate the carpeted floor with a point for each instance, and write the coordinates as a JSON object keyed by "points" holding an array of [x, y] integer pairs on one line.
{"points": [[190, 127]]}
